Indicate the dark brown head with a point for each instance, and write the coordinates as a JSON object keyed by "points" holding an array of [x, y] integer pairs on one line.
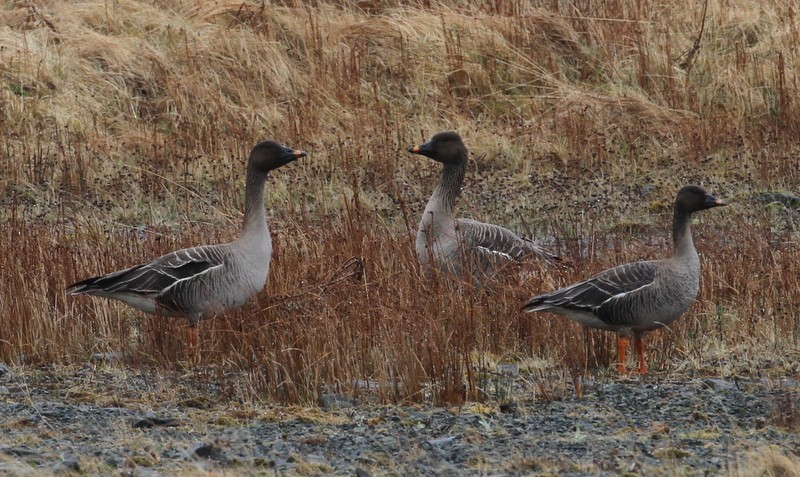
{"points": [[445, 147], [269, 155], [692, 198]]}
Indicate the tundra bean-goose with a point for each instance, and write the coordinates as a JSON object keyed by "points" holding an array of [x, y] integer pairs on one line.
{"points": [[199, 282], [637, 297], [464, 248]]}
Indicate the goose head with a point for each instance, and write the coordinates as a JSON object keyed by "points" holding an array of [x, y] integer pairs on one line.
{"points": [[270, 155], [693, 198], [445, 147]]}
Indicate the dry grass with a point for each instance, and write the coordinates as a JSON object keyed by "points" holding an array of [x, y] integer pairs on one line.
{"points": [[124, 127], [766, 462]]}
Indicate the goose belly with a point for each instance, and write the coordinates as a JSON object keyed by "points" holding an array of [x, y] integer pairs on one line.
{"points": [[659, 314], [667, 302], [586, 318], [213, 294]]}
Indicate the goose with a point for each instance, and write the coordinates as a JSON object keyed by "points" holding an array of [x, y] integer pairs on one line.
{"points": [[200, 282], [465, 248], [638, 297]]}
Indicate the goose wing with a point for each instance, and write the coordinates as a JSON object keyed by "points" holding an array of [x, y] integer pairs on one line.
{"points": [[498, 244], [155, 278], [595, 294]]}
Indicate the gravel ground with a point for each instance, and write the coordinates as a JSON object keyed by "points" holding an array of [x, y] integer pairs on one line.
{"points": [[111, 421]]}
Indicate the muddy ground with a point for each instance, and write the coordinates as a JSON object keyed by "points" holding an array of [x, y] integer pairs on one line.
{"points": [[118, 421]]}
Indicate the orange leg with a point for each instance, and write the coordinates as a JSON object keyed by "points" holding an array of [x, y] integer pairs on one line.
{"points": [[192, 339], [622, 353], [638, 344]]}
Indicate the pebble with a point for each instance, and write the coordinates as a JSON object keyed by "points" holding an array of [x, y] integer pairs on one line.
{"points": [[360, 472], [18, 452], [153, 421], [719, 384], [5, 373], [440, 441], [209, 451]]}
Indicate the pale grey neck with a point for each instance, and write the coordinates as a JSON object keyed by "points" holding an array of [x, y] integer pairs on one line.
{"points": [[682, 233], [255, 214], [449, 187]]}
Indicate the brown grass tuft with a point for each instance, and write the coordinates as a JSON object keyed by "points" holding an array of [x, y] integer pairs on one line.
{"points": [[767, 462], [124, 128]]}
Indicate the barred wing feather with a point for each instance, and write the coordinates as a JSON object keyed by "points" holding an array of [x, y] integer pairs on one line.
{"points": [[156, 277], [590, 294], [498, 243]]}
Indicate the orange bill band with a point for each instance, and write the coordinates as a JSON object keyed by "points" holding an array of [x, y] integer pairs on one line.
{"points": [[415, 149], [298, 153]]}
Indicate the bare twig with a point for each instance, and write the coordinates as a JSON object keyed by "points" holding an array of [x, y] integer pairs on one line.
{"points": [[689, 56], [353, 268]]}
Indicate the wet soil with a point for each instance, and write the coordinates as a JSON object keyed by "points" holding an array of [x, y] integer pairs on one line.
{"points": [[103, 420]]}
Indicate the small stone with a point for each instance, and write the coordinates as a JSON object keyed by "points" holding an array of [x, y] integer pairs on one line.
{"points": [[362, 473], [440, 441], [509, 407], [17, 452], [5, 372], [718, 384], [790, 383], [153, 421], [209, 451], [264, 462], [647, 188]]}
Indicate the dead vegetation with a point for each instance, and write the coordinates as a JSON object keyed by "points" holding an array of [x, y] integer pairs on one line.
{"points": [[124, 127]]}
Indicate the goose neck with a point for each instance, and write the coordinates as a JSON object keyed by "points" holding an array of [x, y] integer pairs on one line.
{"points": [[255, 214], [449, 187], [682, 233]]}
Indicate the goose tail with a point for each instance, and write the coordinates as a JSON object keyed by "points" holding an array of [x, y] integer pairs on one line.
{"points": [[89, 285], [537, 303], [102, 283]]}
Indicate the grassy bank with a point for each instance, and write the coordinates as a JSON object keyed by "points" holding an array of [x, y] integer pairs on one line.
{"points": [[124, 128]]}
